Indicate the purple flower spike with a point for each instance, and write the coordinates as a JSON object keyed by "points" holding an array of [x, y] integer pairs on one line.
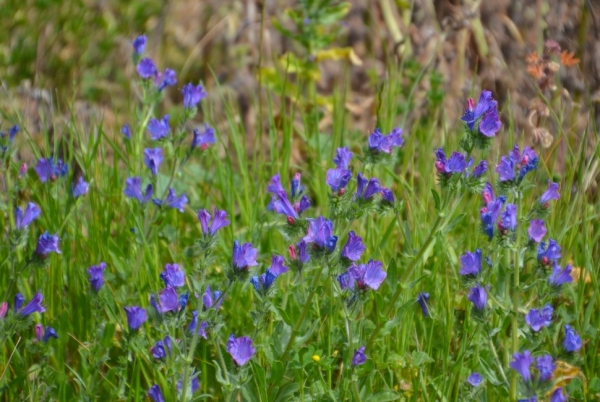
{"points": [[572, 341], [455, 164], [422, 299], [219, 221], [241, 350], [244, 256], [133, 189], [475, 379], [173, 276], [146, 69], [32, 212], [281, 205], [480, 169], [19, 299], [367, 189], [470, 263], [505, 169], [80, 188], [139, 45], [159, 128], [345, 281], [153, 158], [370, 275], [158, 350], [192, 95], [547, 255], [49, 332], [478, 296], [338, 178], [537, 319], [342, 158], [550, 194], [209, 298], [560, 276], [168, 300], [136, 316], [359, 357], [166, 79], [521, 363], [354, 247], [302, 205], [558, 396], [47, 170], [34, 306], [203, 139], [156, 394], [277, 265], [175, 202], [96, 273], [320, 232], [275, 186], [194, 323], [545, 366], [47, 243], [296, 188], [387, 195], [490, 124], [508, 218], [385, 143], [537, 230], [487, 111]]}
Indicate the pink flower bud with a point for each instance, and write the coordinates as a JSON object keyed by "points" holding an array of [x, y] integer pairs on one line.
{"points": [[439, 166], [3, 309], [470, 105], [290, 220], [23, 170], [39, 331], [292, 251]]}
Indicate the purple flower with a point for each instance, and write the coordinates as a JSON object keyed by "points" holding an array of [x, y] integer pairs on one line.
{"points": [[49, 332], [263, 283], [96, 276], [488, 193], [281, 205], [505, 169], [126, 131], [192, 95], [338, 178], [537, 319], [47, 170], [359, 357], [475, 379], [146, 69], [320, 232], [489, 215], [80, 188], [209, 298], [478, 296], [194, 324], [521, 364], [193, 385], [470, 263], [133, 189], [572, 341], [560, 276], [219, 221], [508, 219], [366, 189], [487, 111], [158, 350], [369, 275], [155, 305], [277, 265], [163, 80], [34, 306], [387, 195], [183, 300], [173, 276], [168, 300], [156, 394], [175, 202], [139, 44], [480, 169], [342, 158], [244, 256], [12, 132], [32, 212], [456, 163], [275, 186], [422, 299], [241, 349], [203, 139], [3, 309], [545, 366], [532, 399], [296, 188], [38, 329], [153, 158], [523, 163], [549, 254], [136, 316], [302, 205], [558, 396], [46, 244], [354, 247], [385, 143], [302, 256], [159, 128], [537, 230], [19, 299], [550, 194]]}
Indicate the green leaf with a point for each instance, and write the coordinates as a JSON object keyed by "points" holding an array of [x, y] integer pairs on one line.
{"points": [[420, 358], [284, 316], [436, 199], [383, 396], [276, 372], [392, 274]]}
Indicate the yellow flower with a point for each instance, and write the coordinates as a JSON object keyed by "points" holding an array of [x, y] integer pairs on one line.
{"points": [[316, 358]]}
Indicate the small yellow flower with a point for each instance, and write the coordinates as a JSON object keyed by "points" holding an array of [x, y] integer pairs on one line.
{"points": [[335, 353], [316, 358]]}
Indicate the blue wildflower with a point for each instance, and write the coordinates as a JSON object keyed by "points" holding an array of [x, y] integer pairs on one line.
{"points": [[521, 363], [359, 357], [470, 263], [159, 128], [537, 319], [354, 247], [133, 189], [96, 276], [136, 316]]}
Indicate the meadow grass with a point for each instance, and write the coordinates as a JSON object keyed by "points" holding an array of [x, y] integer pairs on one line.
{"points": [[304, 350]]}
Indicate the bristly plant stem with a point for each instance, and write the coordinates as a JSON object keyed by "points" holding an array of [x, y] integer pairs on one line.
{"points": [[515, 296]]}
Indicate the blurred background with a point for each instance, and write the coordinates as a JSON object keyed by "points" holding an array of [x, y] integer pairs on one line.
{"points": [[78, 52]]}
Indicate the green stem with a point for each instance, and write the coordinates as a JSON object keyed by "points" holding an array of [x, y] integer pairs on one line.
{"points": [[515, 298]]}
